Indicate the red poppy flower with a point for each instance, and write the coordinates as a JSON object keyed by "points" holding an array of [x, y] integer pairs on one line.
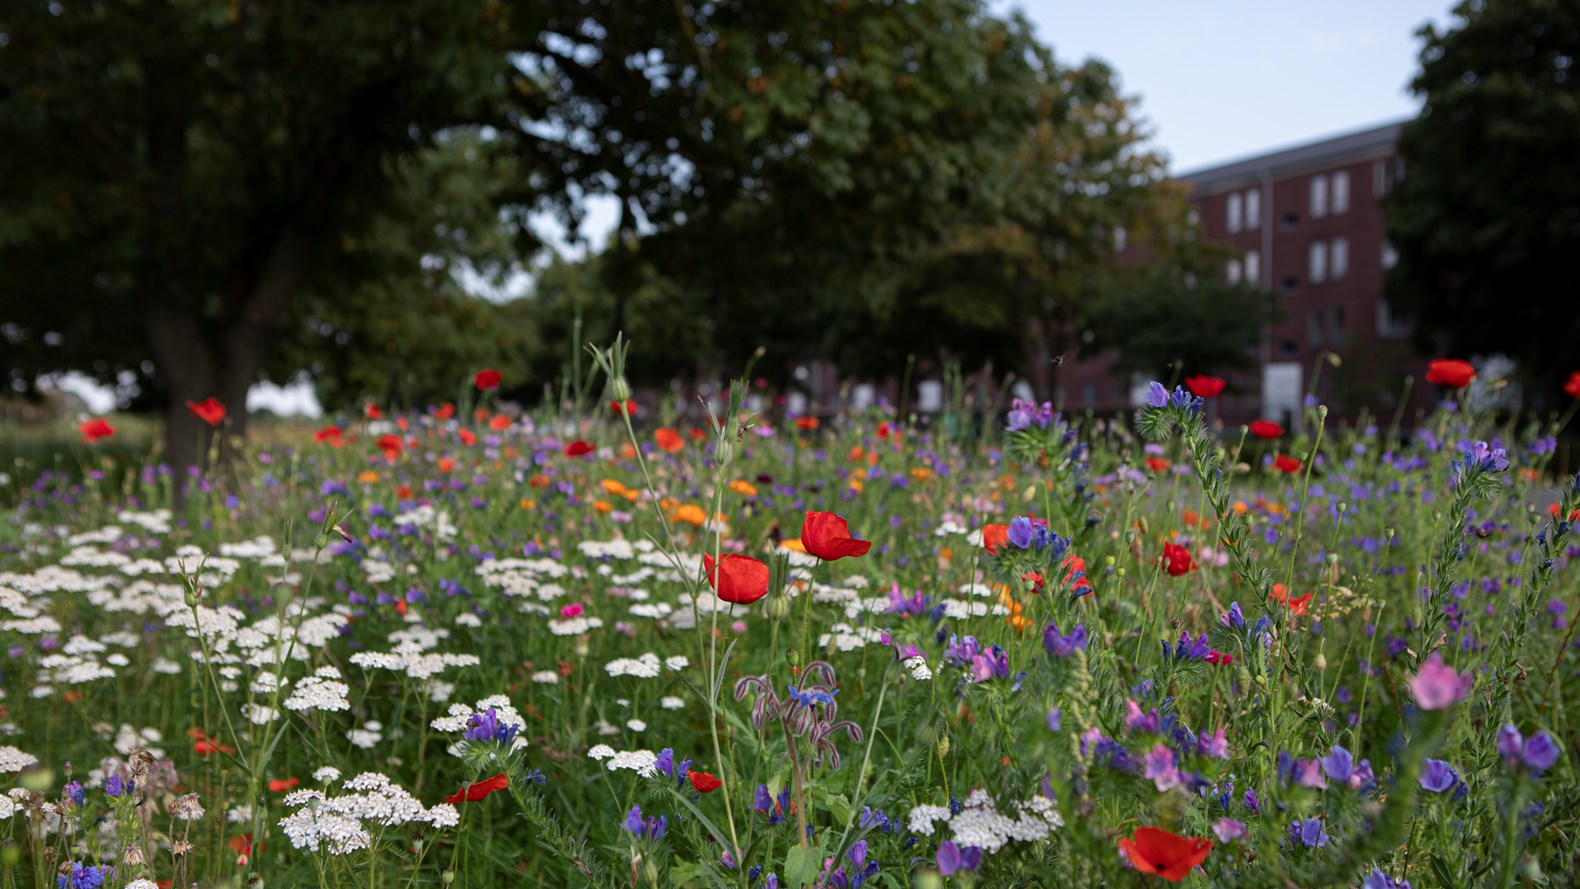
{"points": [[372, 412], [703, 782], [1177, 560], [1572, 388], [467, 437], [1266, 429], [208, 410], [806, 424], [578, 448], [1450, 373], [281, 785], [499, 423], [669, 440], [1301, 604], [331, 434], [471, 793], [1157, 464], [626, 410], [95, 429], [403, 492], [1170, 856], [738, 579], [390, 444], [1287, 464], [487, 379], [827, 536], [697, 434], [1205, 387], [444, 411], [885, 430], [1553, 509], [994, 537]]}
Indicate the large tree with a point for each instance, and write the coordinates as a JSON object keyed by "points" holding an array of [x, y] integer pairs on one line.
{"points": [[1486, 220]]}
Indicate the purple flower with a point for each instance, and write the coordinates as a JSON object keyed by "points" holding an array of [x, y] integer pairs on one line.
{"points": [[1540, 753], [1379, 880], [1060, 645], [645, 828], [1436, 686], [1158, 765], [1157, 396], [1438, 776], [1229, 830], [1309, 832], [1021, 532], [486, 727]]}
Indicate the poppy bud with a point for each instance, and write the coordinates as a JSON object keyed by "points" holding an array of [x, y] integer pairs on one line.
{"points": [[447, 877], [724, 451], [778, 608], [620, 389]]}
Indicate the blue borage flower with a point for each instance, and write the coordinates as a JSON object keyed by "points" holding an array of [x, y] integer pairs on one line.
{"points": [[812, 697], [664, 764]]}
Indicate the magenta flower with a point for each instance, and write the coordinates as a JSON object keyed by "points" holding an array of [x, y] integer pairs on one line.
{"points": [[1436, 686]]}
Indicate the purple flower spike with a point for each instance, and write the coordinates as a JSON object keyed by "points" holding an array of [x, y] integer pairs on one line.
{"points": [[1437, 686]]}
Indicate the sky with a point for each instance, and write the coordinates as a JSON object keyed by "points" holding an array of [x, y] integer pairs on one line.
{"points": [[1216, 80], [1223, 79]]}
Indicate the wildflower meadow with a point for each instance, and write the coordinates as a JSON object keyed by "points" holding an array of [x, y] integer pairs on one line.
{"points": [[602, 644]]}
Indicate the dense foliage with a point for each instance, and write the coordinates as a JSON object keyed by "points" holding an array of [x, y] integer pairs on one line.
{"points": [[473, 647], [1487, 214]]}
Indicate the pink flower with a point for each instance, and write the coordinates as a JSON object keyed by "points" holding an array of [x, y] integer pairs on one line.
{"points": [[571, 610], [1437, 686]]}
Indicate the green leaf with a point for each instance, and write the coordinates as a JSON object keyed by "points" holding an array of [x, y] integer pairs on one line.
{"points": [[802, 866]]}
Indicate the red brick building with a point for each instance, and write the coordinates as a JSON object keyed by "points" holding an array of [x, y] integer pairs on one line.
{"points": [[1308, 225]]}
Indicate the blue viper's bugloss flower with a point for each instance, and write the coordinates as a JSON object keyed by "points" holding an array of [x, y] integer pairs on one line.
{"points": [[1438, 776], [1309, 832], [1537, 753], [1379, 880], [1060, 645], [645, 828], [1157, 395]]}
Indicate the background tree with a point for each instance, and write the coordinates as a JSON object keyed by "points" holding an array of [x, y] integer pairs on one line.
{"points": [[1180, 314], [1486, 220]]}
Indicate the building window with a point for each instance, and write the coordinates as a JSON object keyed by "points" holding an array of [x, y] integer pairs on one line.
{"points": [[1389, 325], [1339, 257], [1317, 268], [1336, 333], [1315, 318], [1386, 174], [1341, 192], [1319, 196], [1253, 208], [1233, 271], [1234, 212], [1390, 256], [1120, 239], [1291, 221], [1193, 217], [1291, 286], [1253, 268]]}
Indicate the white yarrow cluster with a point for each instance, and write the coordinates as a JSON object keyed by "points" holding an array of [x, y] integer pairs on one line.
{"points": [[639, 761], [335, 824], [320, 691], [918, 667], [647, 666], [14, 760], [980, 824]]}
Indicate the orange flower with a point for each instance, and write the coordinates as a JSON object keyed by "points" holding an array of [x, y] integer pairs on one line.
{"points": [[669, 440], [499, 423], [282, 785], [614, 487], [1158, 464], [603, 506], [743, 488], [806, 424], [994, 537], [367, 477], [446, 464], [691, 514]]}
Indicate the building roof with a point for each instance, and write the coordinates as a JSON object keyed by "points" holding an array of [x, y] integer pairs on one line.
{"points": [[1373, 141]]}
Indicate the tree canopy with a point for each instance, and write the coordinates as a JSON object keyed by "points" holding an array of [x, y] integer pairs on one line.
{"points": [[1486, 221], [209, 193]]}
